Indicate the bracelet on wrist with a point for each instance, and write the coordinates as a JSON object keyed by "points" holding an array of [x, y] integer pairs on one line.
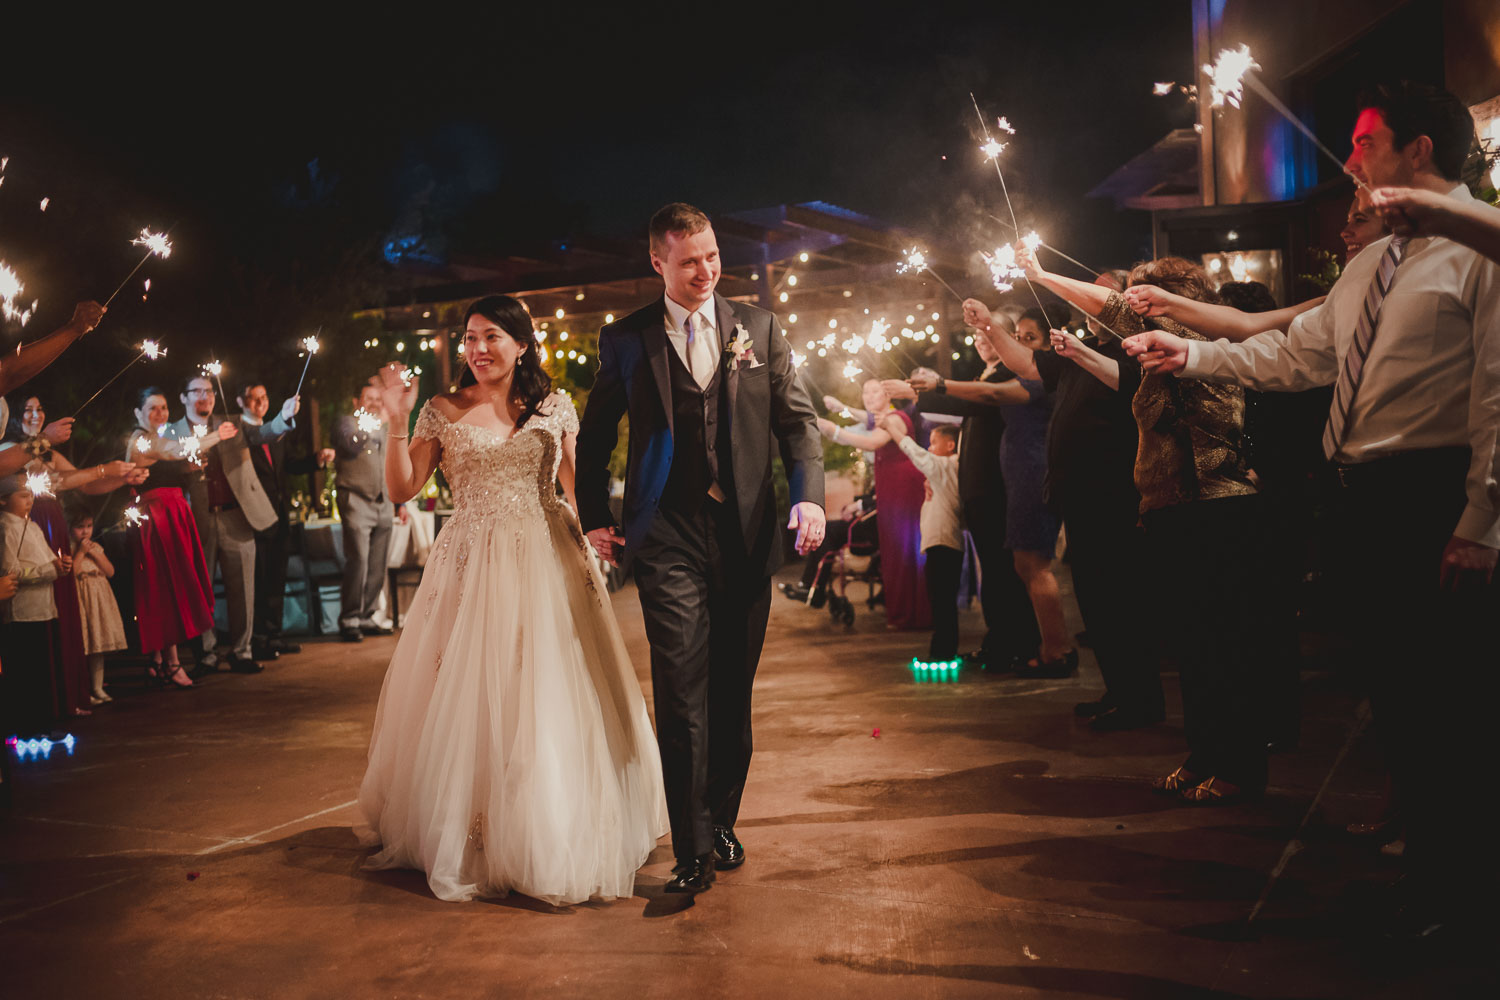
{"points": [[942, 386], [836, 432]]}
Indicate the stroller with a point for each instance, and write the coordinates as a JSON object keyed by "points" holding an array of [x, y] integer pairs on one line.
{"points": [[858, 560]]}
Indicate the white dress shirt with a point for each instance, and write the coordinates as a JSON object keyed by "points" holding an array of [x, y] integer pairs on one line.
{"points": [[704, 354], [1432, 379], [27, 556], [939, 520]]}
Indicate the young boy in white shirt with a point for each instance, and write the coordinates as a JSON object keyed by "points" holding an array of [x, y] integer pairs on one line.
{"points": [[28, 620], [942, 533]]}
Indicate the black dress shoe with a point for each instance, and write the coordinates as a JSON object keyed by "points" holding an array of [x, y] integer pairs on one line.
{"points": [[203, 668], [351, 634], [283, 646], [244, 665], [795, 591], [1093, 709], [728, 851], [373, 629], [693, 875], [260, 651]]}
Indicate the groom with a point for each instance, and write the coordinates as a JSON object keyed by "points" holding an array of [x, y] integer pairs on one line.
{"points": [[708, 385]]}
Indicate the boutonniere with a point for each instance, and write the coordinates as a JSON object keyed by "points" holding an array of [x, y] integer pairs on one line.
{"points": [[739, 350]]}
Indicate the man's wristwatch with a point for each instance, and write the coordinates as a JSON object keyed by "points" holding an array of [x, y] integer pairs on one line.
{"points": [[942, 385]]}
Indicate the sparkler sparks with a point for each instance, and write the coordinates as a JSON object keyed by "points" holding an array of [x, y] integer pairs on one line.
{"points": [[851, 370], [152, 349], [1005, 126], [1163, 89], [192, 449], [39, 483], [1004, 271], [10, 290], [310, 345], [992, 149], [155, 243], [134, 515], [1227, 75], [367, 421], [143, 445], [213, 368], [149, 349], [200, 430], [916, 260], [44, 203]]}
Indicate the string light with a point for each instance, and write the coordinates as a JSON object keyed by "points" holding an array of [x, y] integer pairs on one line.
{"points": [[41, 748]]}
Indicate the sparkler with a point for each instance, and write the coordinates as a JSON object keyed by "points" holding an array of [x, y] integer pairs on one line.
{"points": [[310, 345], [1228, 75], [1016, 226], [367, 421], [916, 262], [1049, 246], [149, 349], [44, 203], [1163, 89], [156, 244], [39, 483], [214, 368], [143, 445], [10, 290], [134, 515]]}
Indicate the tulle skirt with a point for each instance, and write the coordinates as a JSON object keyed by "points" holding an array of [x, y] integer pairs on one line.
{"points": [[512, 749]]}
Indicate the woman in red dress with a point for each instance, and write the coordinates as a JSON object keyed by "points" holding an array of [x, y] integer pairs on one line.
{"points": [[898, 498], [174, 593]]}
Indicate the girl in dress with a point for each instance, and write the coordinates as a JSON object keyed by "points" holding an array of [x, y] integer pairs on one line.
{"points": [[103, 630], [511, 750]]}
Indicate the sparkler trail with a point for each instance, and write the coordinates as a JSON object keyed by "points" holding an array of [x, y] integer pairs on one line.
{"points": [[310, 345], [1049, 246], [1275, 102], [156, 244], [214, 368], [916, 260], [10, 290], [149, 349], [989, 140]]}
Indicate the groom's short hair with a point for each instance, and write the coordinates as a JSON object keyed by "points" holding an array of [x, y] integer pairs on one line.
{"points": [[678, 217]]}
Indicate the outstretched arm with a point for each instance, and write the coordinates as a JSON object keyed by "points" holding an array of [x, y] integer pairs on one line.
{"points": [[982, 393], [1106, 370], [1418, 212], [17, 369], [1012, 353], [1214, 321]]}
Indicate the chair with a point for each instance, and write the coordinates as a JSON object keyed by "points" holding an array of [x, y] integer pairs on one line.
{"points": [[319, 555]]}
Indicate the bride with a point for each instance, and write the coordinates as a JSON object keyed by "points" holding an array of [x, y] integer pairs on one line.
{"points": [[511, 748]]}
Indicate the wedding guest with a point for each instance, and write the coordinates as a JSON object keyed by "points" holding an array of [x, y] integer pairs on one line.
{"points": [[272, 465], [174, 593], [942, 537], [1011, 635], [1417, 212], [1410, 338], [1200, 514], [1362, 226], [364, 511], [898, 498], [71, 680], [229, 506], [1030, 528], [103, 629], [28, 621]]}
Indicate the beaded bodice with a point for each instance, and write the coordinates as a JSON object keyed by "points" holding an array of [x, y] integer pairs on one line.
{"points": [[494, 476]]}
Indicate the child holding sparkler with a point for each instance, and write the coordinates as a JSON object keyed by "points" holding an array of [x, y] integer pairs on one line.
{"points": [[942, 535], [28, 622], [103, 630]]}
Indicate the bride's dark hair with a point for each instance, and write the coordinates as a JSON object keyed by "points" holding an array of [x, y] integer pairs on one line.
{"points": [[530, 384]]}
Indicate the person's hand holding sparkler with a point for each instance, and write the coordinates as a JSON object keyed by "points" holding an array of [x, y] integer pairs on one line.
{"points": [[895, 388], [398, 392], [227, 430], [1158, 352], [1026, 260], [86, 316], [977, 315], [8, 586], [326, 455], [116, 470], [290, 407], [833, 404], [1066, 345], [923, 380], [59, 430], [137, 475], [1149, 300], [64, 564]]}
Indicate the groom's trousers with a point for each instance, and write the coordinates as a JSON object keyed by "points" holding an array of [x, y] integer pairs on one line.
{"points": [[705, 605]]}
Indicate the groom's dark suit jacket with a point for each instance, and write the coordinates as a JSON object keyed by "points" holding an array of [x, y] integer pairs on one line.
{"points": [[765, 404]]}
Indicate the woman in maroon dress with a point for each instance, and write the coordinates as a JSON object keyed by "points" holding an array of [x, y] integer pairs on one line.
{"points": [[71, 680], [174, 593], [898, 497]]}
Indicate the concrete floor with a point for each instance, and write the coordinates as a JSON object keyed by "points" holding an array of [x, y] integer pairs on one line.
{"points": [[198, 844]]}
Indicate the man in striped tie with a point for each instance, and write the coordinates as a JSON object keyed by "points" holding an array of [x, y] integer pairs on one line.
{"points": [[1410, 338]]}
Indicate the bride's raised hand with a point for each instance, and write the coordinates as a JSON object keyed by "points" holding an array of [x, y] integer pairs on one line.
{"points": [[398, 391]]}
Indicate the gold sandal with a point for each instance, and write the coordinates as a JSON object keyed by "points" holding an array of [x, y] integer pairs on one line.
{"points": [[1176, 783], [1213, 792]]}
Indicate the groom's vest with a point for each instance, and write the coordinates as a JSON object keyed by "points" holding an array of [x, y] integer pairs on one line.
{"points": [[700, 434]]}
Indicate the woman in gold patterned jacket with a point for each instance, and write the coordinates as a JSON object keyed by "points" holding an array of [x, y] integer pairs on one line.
{"points": [[1201, 514]]}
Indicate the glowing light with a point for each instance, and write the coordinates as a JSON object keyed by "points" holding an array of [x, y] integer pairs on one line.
{"points": [[1163, 89], [152, 349], [822, 352], [1031, 241], [460, 348], [39, 483], [44, 203], [992, 149], [851, 370], [422, 345], [916, 260], [400, 346], [213, 368], [10, 290], [1003, 270], [367, 421], [609, 317], [783, 296], [1004, 125], [578, 297], [1227, 76], [311, 345], [135, 516], [559, 314], [937, 315], [200, 430], [791, 281], [792, 318], [798, 360], [155, 243], [192, 450], [802, 256], [143, 445], [833, 324], [563, 335]]}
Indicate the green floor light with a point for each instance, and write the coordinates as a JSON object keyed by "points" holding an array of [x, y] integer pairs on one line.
{"points": [[935, 671]]}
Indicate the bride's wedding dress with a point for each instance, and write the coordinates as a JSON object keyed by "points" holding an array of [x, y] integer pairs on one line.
{"points": [[512, 749]]}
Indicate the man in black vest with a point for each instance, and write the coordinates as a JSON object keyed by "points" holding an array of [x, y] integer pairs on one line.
{"points": [[708, 385]]}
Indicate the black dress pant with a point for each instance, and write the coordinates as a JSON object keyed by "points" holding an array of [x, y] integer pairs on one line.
{"points": [[705, 604], [1106, 553], [271, 548], [944, 568], [1432, 659], [27, 706], [1009, 619], [1205, 554]]}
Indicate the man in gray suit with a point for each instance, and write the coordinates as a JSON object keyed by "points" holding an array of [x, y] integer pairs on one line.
{"points": [[364, 510], [229, 506]]}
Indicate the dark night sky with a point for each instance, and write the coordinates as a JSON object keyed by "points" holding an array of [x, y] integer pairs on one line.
{"points": [[502, 133]]}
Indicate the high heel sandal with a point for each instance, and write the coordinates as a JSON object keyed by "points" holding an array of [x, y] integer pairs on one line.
{"points": [[1177, 782]]}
